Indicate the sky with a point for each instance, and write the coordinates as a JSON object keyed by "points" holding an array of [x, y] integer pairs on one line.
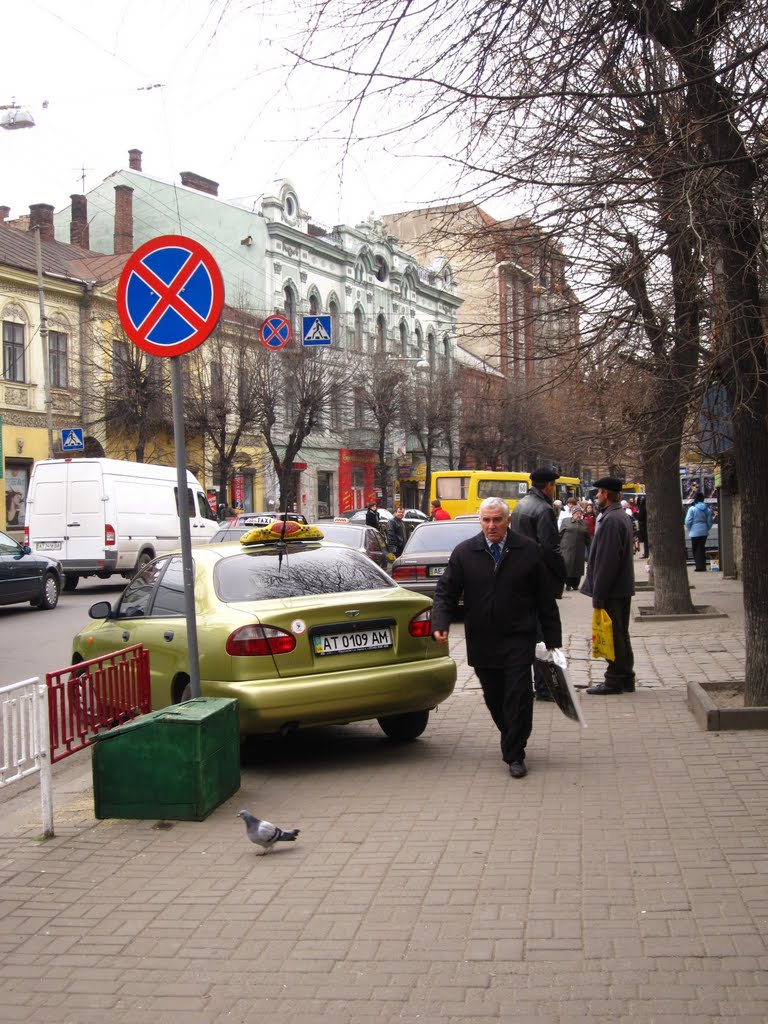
{"points": [[197, 85]]}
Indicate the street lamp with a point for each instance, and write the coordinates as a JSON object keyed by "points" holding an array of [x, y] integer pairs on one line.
{"points": [[15, 117]]}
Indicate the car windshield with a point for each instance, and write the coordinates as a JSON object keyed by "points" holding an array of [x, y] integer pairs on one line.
{"points": [[261, 574], [439, 536], [341, 534]]}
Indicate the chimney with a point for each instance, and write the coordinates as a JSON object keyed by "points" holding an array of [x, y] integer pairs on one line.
{"points": [[197, 181], [123, 219], [134, 159], [4, 211], [78, 226], [41, 215]]}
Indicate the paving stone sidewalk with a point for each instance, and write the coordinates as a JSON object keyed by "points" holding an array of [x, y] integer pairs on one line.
{"points": [[624, 880]]}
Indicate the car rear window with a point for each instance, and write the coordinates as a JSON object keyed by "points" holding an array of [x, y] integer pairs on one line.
{"points": [[303, 570], [341, 534], [440, 536]]}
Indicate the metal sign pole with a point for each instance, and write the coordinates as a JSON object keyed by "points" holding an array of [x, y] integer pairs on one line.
{"points": [[188, 569]]}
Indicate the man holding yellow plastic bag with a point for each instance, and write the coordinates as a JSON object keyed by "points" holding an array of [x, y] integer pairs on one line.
{"points": [[610, 582]]}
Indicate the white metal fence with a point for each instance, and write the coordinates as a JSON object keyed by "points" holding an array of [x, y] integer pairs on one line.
{"points": [[24, 739]]}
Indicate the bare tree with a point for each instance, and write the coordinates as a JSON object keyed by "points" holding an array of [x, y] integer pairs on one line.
{"points": [[428, 415], [381, 389], [223, 399], [297, 389], [637, 129]]}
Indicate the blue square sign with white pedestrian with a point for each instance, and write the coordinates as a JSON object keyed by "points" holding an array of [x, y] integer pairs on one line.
{"points": [[72, 439], [315, 330]]}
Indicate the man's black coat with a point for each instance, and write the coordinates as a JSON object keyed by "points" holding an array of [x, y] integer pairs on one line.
{"points": [[501, 604]]}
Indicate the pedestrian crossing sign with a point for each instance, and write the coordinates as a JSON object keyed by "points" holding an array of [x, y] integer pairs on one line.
{"points": [[316, 330], [72, 439]]}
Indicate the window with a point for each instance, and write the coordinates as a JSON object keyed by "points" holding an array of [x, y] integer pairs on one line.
{"points": [[358, 330], [403, 338], [137, 596], [360, 408], [333, 310], [381, 335], [359, 272], [382, 271], [170, 593], [419, 342], [314, 305], [57, 359], [13, 351], [289, 308], [431, 350], [335, 413]]}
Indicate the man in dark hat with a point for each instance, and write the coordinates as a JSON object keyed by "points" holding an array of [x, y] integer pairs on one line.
{"points": [[610, 582], [534, 517]]}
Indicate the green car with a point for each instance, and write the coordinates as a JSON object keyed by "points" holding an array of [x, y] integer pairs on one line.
{"points": [[302, 632]]}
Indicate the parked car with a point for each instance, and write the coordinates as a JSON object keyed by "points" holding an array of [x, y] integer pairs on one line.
{"points": [[366, 539], [264, 518], [427, 551], [25, 576], [410, 515], [301, 631], [228, 532]]}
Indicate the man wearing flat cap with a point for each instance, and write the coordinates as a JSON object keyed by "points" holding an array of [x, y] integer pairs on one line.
{"points": [[610, 582], [534, 517]]}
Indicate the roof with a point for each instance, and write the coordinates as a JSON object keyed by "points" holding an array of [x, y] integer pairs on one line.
{"points": [[17, 250]]}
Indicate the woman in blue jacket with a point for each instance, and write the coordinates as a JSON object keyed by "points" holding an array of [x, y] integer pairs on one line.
{"points": [[698, 521]]}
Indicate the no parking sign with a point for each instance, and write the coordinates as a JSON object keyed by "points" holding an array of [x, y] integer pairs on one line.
{"points": [[170, 295]]}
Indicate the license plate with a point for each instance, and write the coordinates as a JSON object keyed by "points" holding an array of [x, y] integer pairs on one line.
{"points": [[347, 643], [435, 570], [48, 545]]}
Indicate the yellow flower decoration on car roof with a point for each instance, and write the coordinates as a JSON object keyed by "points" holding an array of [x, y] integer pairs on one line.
{"points": [[279, 530]]}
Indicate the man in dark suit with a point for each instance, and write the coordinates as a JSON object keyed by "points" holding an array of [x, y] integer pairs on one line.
{"points": [[506, 590], [610, 582]]}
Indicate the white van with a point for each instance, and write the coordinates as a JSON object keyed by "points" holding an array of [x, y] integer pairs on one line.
{"points": [[101, 517]]}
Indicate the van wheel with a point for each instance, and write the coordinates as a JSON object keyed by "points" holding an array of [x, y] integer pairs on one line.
{"points": [[71, 579], [182, 690], [50, 595], [142, 562], [405, 727]]}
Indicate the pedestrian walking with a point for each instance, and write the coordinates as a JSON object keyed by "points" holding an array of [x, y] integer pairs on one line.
{"points": [[372, 515], [698, 523], [610, 582], [574, 538], [642, 525], [507, 595]]}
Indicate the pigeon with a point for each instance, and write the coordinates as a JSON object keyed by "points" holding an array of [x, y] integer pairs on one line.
{"points": [[264, 833]]}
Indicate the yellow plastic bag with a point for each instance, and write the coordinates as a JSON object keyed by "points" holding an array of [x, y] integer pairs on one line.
{"points": [[602, 635]]}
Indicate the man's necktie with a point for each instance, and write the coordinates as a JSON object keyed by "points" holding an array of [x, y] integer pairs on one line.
{"points": [[496, 552]]}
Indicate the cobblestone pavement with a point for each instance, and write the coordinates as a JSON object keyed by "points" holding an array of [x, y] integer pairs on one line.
{"points": [[623, 880]]}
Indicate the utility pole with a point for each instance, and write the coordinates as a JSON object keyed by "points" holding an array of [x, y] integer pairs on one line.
{"points": [[44, 339]]}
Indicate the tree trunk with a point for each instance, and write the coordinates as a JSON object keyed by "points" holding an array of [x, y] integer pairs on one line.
{"points": [[666, 534]]}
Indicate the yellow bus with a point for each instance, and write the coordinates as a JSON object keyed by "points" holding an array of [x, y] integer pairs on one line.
{"points": [[461, 490]]}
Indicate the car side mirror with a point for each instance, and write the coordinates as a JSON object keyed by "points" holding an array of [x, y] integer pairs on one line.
{"points": [[100, 610]]}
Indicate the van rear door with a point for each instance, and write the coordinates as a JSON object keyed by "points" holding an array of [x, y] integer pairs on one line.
{"points": [[46, 514], [85, 514]]}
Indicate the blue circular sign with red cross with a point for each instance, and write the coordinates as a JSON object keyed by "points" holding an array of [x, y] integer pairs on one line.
{"points": [[275, 332], [170, 295]]}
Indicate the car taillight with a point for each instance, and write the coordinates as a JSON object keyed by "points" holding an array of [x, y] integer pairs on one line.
{"points": [[26, 535], [421, 625], [409, 572], [257, 641], [110, 537]]}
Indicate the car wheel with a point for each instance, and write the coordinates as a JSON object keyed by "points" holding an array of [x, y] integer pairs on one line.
{"points": [[405, 727], [50, 595], [71, 579]]}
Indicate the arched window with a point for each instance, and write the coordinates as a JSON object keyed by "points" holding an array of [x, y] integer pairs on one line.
{"points": [[403, 338], [359, 272], [358, 344], [314, 304], [446, 346], [289, 307], [381, 335], [431, 350], [419, 342], [333, 311]]}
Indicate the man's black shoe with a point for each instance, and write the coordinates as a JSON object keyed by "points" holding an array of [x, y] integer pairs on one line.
{"points": [[518, 770], [629, 687], [601, 688]]}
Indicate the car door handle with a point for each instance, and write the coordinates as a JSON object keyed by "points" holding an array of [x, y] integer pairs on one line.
{"points": [[126, 635], [168, 635]]}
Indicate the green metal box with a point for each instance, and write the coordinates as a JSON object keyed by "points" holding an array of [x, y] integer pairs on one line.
{"points": [[178, 763]]}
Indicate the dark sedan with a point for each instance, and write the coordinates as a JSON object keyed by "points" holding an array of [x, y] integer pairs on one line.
{"points": [[365, 539], [27, 577], [427, 551]]}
